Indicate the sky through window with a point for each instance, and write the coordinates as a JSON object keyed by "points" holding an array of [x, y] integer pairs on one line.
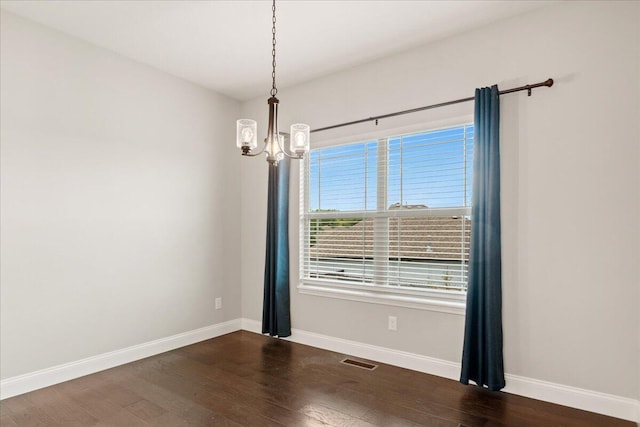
{"points": [[432, 169]]}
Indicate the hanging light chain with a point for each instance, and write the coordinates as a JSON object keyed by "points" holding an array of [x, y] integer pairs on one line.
{"points": [[274, 89]]}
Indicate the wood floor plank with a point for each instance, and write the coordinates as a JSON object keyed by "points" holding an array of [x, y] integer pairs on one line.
{"points": [[6, 421], [121, 418], [245, 379], [94, 402], [198, 415], [66, 412], [33, 416], [145, 410]]}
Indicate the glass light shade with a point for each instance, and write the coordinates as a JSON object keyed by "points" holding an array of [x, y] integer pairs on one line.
{"points": [[246, 131], [300, 136]]}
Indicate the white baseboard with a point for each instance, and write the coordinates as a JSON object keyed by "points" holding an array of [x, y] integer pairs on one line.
{"points": [[68, 371], [588, 400]]}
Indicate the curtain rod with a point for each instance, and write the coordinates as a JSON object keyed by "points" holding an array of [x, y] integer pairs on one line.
{"points": [[547, 83]]}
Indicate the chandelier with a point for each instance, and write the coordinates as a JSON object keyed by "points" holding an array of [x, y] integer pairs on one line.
{"points": [[274, 143]]}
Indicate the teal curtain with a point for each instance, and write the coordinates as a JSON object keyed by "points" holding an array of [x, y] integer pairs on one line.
{"points": [[276, 317], [482, 360]]}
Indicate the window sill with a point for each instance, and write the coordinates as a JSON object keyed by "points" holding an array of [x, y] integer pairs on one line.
{"points": [[432, 300]]}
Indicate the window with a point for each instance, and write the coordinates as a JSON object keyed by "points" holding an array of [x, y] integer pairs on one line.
{"points": [[389, 220]]}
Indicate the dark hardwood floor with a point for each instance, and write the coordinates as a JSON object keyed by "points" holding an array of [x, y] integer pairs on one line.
{"points": [[245, 379]]}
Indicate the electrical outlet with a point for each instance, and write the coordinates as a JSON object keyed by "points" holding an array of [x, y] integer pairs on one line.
{"points": [[218, 303], [393, 323]]}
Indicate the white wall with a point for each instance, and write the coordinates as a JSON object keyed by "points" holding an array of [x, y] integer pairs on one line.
{"points": [[119, 225], [570, 190]]}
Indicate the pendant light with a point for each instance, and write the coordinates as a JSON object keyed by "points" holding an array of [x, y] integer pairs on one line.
{"points": [[274, 143]]}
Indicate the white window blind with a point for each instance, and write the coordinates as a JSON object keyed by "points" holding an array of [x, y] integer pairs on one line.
{"points": [[392, 213]]}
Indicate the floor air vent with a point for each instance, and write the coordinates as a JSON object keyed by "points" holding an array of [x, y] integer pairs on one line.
{"points": [[359, 364]]}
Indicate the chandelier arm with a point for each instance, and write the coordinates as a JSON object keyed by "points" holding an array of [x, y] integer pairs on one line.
{"points": [[249, 154], [293, 156], [283, 151]]}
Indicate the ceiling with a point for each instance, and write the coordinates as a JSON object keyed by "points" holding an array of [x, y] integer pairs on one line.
{"points": [[226, 45]]}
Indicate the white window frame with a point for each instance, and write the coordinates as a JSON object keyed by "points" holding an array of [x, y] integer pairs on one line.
{"points": [[447, 301]]}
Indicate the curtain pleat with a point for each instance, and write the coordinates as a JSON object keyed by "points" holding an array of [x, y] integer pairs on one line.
{"points": [[276, 317], [482, 359]]}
